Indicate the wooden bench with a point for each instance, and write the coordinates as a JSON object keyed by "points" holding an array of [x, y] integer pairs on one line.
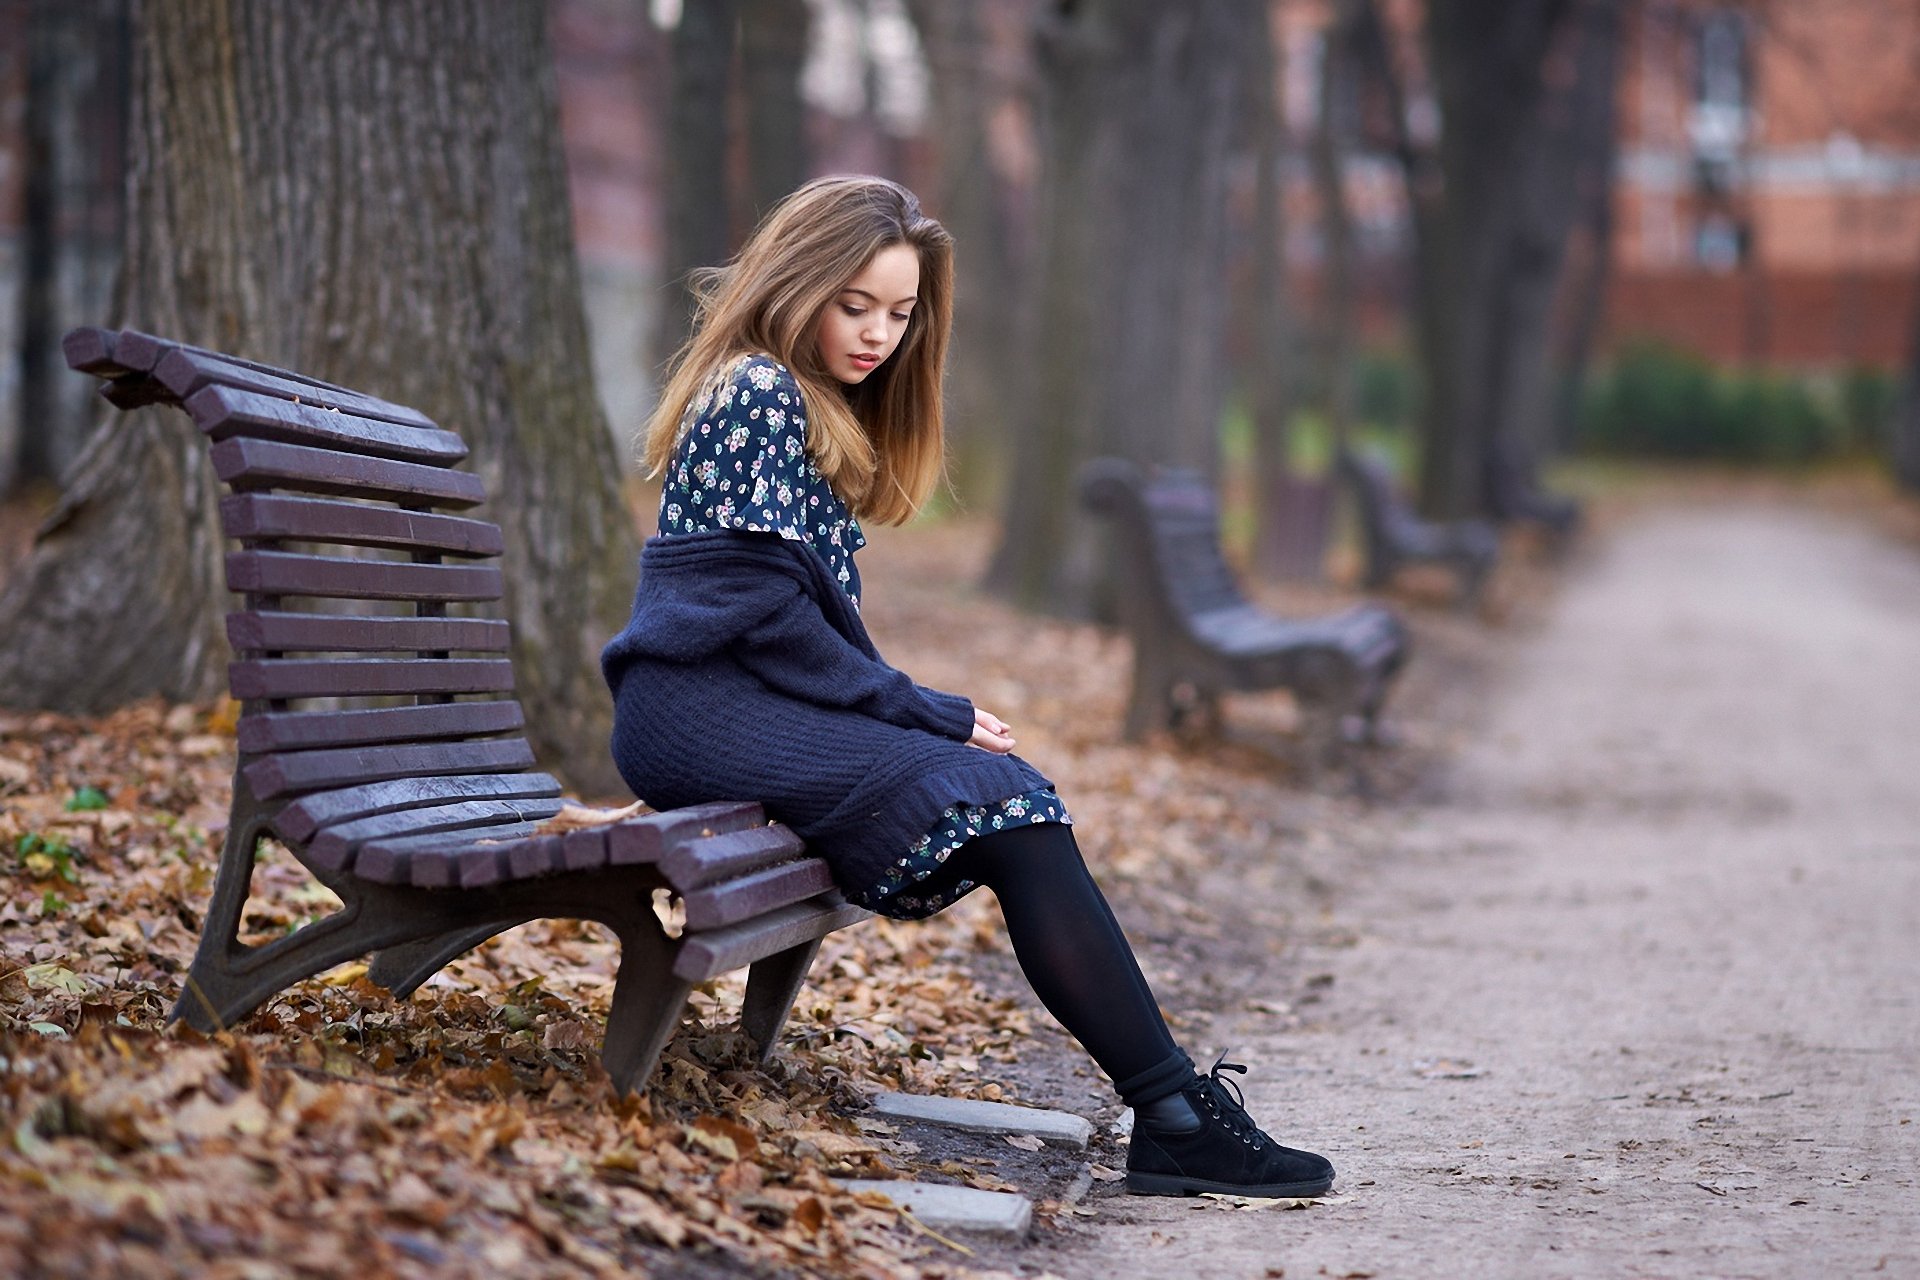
{"points": [[1394, 537], [379, 741], [1513, 494], [1195, 635]]}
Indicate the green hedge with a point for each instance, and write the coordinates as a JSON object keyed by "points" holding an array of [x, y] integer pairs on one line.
{"points": [[1657, 401]]}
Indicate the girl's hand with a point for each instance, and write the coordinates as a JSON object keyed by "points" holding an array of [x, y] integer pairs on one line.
{"points": [[990, 733]]}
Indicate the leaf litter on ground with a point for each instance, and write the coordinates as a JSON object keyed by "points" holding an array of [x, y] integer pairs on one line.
{"points": [[469, 1130]]}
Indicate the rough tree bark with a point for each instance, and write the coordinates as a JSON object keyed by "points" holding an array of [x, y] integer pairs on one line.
{"points": [[373, 194], [74, 129], [1128, 350]]}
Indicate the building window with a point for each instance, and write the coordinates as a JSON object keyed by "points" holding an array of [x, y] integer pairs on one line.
{"points": [[1720, 242]]}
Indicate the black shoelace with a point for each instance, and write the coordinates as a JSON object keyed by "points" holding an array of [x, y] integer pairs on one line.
{"points": [[1223, 1101]]}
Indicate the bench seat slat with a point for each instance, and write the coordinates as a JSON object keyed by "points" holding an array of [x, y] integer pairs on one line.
{"points": [[735, 900], [652, 836], [225, 413], [442, 860], [301, 730], [185, 371], [713, 952], [286, 573], [283, 678], [289, 772], [333, 847], [698, 863], [304, 817], [248, 516], [346, 633], [251, 465]]}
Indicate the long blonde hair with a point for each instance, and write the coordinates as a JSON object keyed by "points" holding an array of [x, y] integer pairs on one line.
{"points": [[878, 443]]}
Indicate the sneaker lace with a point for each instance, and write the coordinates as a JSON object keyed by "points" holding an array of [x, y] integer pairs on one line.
{"points": [[1223, 1101]]}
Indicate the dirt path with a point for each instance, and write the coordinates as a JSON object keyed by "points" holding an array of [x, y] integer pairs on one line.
{"points": [[1640, 996]]}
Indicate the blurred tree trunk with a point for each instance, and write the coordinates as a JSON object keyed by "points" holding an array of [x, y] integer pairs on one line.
{"points": [[373, 194], [1284, 541], [773, 48], [974, 202], [74, 130], [1473, 242], [1577, 116], [1338, 122], [1136, 117], [699, 212], [1906, 420], [1597, 148]]}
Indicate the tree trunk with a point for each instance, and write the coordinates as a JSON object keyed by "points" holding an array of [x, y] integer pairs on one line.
{"points": [[699, 214], [773, 47], [1282, 544], [74, 171], [372, 194], [1487, 63], [1136, 113], [974, 201]]}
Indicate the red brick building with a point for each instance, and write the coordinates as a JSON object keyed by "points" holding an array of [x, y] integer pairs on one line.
{"points": [[1768, 199]]}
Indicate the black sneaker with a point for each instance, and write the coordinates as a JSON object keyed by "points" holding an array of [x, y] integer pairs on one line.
{"points": [[1226, 1153]]}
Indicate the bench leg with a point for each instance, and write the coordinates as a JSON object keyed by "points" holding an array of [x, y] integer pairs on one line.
{"points": [[648, 998], [772, 986], [402, 969]]}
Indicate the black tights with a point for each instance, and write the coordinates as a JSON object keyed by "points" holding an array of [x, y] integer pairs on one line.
{"points": [[1073, 953]]}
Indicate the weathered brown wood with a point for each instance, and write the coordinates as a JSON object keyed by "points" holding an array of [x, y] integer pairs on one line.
{"points": [[270, 515], [90, 350], [300, 820], [290, 772], [288, 678], [333, 847], [337, 633], [751, 895], [301, 730], [716, 951], [649, 838], [225, 412], [698, 863], [185, 370], [284, 573], [248, 465]]}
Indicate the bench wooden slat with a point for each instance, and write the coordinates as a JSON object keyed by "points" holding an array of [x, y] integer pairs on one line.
{"points": [[446, 859], [289, 772], [90, 350], [287, 573], [308, 814], [301, 730], [251, 465], [186, 371], [347, 633], [735, 900], [698, 863], [224, 413], [144, 352], [249, 516], [278, 679], [713, 952], [651, 837], [333, 847]]}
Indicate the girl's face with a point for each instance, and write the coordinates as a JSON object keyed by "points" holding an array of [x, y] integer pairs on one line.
{"points": [[863, 325]]}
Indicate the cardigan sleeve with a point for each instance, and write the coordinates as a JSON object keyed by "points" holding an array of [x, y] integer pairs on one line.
{"points": [[795, 651]]}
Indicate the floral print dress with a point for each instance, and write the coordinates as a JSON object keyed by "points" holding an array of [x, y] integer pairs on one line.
{"points": [[742, 463]]}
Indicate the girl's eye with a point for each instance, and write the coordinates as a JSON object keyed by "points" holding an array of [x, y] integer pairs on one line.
{"points": [[852, 310], [902, 316]]}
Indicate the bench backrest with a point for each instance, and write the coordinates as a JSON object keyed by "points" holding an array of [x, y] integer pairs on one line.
{"points": [[1385, 515], [1167, 529], [358, 659]]}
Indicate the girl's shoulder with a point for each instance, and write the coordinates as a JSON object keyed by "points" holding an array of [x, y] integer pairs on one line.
{"points": [[758, 377]]}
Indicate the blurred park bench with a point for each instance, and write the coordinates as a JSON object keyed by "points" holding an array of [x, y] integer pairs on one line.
{"points": [[1196, 636], [1393, 536], [380, 744]]}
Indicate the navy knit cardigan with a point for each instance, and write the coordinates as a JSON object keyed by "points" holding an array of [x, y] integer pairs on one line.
{"points": [[745, 673]]}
